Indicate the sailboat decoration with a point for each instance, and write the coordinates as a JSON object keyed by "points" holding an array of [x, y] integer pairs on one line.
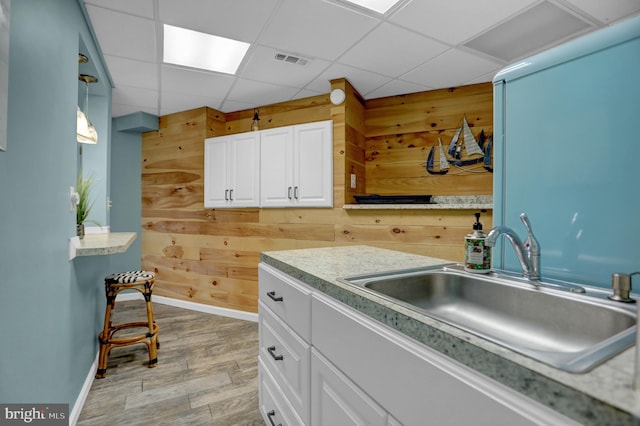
{"points": [[463, 150], [443, 165]]}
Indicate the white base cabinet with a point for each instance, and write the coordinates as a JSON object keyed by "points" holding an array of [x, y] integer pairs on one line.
{"points": [[362, 372]]}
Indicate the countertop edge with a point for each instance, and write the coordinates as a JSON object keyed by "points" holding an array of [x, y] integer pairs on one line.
{"points": [[101, 244], [574, 403], [438, 202], [438, 206]]}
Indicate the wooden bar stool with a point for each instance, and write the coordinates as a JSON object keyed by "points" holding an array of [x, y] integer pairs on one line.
{"points": [[142, 281]]}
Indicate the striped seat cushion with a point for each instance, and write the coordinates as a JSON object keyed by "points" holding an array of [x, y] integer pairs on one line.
{"points": [[129, 277]]}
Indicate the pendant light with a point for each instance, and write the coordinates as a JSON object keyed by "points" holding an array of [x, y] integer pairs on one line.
{"points": [[86, 133]]}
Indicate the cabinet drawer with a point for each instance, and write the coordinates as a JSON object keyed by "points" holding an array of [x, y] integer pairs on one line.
{"points": [[287, 358], [274, 407], [288, 299]]}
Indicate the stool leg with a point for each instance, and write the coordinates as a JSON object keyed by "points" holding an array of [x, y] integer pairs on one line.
{"points": [[153, 328], [104, 336]]}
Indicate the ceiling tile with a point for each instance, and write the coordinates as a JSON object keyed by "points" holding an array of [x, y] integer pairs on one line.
{"points": [[138, 7], [450, 68], [124, 35], [454, 21], [392, 51], [229, 106], [127, 95], [362, 81], [396, 87], [263, 66], [306, 93], [171, 102], [257, 93], [219, 17], [118, 110], [195, 82], [608, 11], [129, 72], [315, 29]]}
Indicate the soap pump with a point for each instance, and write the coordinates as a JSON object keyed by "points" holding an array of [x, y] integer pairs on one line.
{"points": [[477, 255]]}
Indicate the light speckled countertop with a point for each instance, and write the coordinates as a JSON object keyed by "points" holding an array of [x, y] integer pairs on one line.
{"points": [[603, 396], [101, 244]]}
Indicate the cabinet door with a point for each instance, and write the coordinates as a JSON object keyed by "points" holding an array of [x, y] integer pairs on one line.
{"points": [[244, 185], [276, 167], [413, 383], [336, 400], [216, 171], [313, 165]]}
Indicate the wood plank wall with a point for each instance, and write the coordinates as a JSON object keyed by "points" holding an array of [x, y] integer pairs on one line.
{"points": [[402, 129], [210, 256]]}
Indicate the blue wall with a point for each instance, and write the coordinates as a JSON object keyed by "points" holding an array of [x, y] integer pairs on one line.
{"points": [[48, 305], [566, 141], [126, 191]]}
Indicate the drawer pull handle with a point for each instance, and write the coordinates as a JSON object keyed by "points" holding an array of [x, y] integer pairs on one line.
{"points": [[270, 414], [272, 295], [272, 352]]}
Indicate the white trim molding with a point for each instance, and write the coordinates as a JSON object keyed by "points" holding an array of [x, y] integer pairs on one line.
{"points": [[193, 306]]}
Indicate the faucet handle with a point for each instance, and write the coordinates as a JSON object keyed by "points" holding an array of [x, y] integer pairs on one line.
{"points": [[621, 285], [531, 241]]}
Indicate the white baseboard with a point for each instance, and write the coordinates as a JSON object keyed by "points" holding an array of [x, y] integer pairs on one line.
{"points": [[84, 393], [199, 307]]}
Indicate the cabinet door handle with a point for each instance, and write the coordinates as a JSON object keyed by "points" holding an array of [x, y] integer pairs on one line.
{"points": [[231, 195], [289, 192], [295, 192], [272, 295], [272, 352], [226, 195], [271, 414]]}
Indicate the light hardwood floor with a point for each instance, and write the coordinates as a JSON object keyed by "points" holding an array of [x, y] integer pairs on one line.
{"points": [[207, 373]]}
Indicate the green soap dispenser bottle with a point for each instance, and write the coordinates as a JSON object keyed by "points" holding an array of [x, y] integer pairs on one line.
{"points": [[477, 255]]}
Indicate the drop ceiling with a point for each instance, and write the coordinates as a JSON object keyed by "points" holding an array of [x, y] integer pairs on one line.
{"points": [[417, 45]]}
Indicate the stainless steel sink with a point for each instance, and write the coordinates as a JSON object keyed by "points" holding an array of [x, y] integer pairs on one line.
{"points": [[570, 327]]}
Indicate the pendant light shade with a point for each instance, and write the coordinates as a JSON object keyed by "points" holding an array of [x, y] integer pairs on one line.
{"points": [[86, 133]]}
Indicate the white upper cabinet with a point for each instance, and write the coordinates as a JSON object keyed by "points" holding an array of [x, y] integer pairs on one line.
{"points": [[232, 171], [296, 167]]}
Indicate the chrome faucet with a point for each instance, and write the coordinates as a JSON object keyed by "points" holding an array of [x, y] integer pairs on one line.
{"points": [[528, 253]]}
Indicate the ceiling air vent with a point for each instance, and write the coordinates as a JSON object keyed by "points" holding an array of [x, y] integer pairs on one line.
{"points": [[285, 57]]}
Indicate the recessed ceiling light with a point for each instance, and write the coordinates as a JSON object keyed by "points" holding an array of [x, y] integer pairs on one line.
{"points": [[199, 50], [379, 6]]}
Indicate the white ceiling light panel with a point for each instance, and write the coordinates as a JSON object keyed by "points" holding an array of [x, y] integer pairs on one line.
{"points": [[378, 6], [199, 50]]}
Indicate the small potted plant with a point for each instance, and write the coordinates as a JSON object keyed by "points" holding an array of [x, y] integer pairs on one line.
{"points": [[84, 205]]}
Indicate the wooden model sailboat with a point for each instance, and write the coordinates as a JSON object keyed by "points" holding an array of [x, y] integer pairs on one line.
{"points": [[463, 150], [442, 166]]}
